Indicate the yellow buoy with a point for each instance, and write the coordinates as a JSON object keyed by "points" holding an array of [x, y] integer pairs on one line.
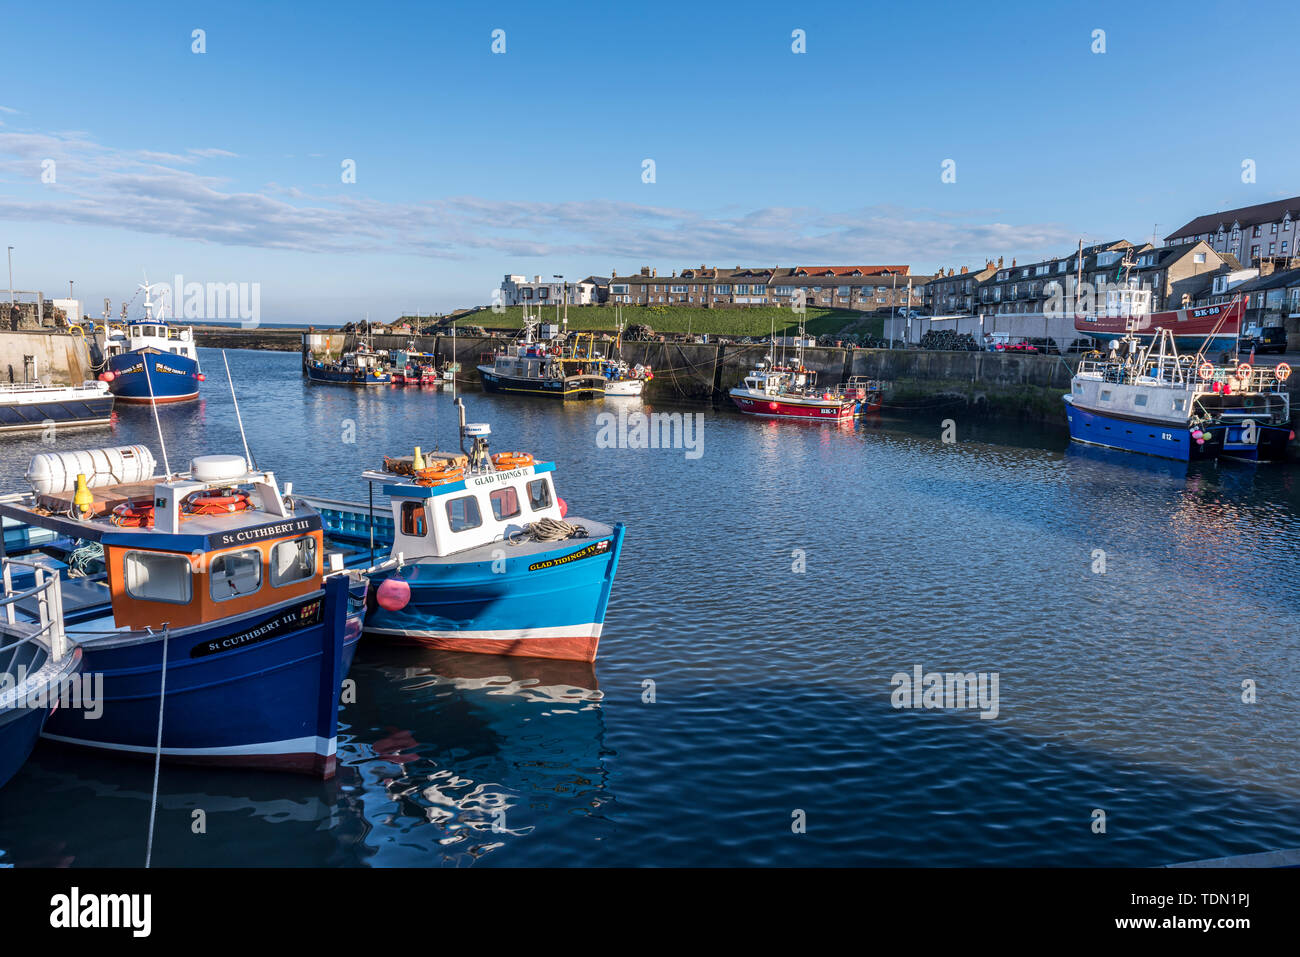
{"points": [[82, 499]]}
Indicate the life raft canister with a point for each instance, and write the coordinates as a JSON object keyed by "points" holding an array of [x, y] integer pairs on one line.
{"points": [[512, 460]]}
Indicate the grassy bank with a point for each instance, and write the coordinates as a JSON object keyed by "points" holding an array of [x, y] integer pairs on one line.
{"points": [[750, 321]]}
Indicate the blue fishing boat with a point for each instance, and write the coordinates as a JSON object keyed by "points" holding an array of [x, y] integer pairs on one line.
{"points": [[201, 601], [1147, 398], [479, 554], [37, 663], [150, 360]]}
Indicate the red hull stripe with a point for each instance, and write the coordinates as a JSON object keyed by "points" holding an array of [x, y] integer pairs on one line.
{"points": [[161, 400], [561, 649]]}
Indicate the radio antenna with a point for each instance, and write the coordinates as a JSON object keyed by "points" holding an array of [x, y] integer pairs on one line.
{"points": [[248, 456]]}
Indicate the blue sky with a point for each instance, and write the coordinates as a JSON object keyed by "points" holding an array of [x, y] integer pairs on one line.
{"points": [[226, 166]]}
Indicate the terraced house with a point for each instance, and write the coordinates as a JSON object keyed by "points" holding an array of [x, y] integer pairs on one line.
{"points": [[1249, 233], [866, 288]]}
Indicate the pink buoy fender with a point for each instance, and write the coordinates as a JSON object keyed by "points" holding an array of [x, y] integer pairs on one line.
{"points": [[393, 594]]}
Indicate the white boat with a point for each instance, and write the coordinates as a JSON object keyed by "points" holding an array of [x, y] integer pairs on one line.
{"points": [[1147, 398]]}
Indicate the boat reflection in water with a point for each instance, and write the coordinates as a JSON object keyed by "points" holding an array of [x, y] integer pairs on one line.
{"points": [[473, 752], [443, 758]]}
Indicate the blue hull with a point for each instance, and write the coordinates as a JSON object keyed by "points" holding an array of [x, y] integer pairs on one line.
{"points": [[269, 702], [330, 376], [174, 378], [543, 605], [1127, 435], [18, 733]]}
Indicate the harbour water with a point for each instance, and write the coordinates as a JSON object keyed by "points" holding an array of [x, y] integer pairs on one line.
{"points": [[770, 590]]}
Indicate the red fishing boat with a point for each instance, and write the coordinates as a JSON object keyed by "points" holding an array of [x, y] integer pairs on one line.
{"points": [[1212, 328], [792, 393]]}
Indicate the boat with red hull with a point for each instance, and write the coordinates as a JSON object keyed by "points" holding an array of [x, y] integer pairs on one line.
{"points": [[1213, 327], [791, 393]]}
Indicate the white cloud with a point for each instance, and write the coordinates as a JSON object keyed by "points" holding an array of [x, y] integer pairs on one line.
{"points": [[155, 193]]}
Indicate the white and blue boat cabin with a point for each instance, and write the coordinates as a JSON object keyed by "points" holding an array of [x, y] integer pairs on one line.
{"points": [[478, 556]]}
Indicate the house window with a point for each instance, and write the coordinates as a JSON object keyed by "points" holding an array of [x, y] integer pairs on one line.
{"points": [[539, 495], [292, 561], [154, 577], [677, 289], [1254, 252], [619, 289], [1198, 257], [723, 288], [415, 521], [1272, 248], [1285, 243], [463, 514], [843, 290], [505, 503], [235, 574]]}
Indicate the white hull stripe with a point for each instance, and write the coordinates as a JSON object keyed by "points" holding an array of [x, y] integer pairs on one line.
{"points": [[505, 634], [307, 745]]}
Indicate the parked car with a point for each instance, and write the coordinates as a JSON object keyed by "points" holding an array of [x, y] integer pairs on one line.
{"points": [[1262, 339]]}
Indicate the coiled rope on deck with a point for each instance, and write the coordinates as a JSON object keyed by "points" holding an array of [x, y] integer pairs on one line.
{"points": [[547, 530]]}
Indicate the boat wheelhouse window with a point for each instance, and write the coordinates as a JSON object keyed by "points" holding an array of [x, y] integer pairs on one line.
{"points": [[539, 494], [292, 561], [415, 521], [463, 514], [1105, 395], [1139, 400], [505, 503], [151, 576], [235, 574], [1179, 404]]}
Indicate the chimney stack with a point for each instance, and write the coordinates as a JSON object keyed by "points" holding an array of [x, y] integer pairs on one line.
{"points": [[964, 270], [999, 262]]}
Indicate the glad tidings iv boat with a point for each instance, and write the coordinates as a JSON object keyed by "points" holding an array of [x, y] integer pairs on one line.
{"points": [[481, 557], [150, 361], [209, 584], [1149, 399]]}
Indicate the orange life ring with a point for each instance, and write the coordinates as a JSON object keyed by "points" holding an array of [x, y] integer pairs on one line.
{"points": [[1206, 370], [133, 515], [512, 460], [1282, 371], [1243, 371], [439, 475], [215, 504]]}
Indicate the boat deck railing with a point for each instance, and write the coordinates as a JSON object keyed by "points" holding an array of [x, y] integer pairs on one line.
{"points": [[48, 628]]}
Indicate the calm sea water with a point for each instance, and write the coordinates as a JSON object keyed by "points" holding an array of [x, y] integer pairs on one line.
{"points": [[1119, 691]]}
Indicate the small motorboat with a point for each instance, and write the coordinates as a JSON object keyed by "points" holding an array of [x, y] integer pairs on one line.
{"points": [[475, 552], [37, 662]]}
